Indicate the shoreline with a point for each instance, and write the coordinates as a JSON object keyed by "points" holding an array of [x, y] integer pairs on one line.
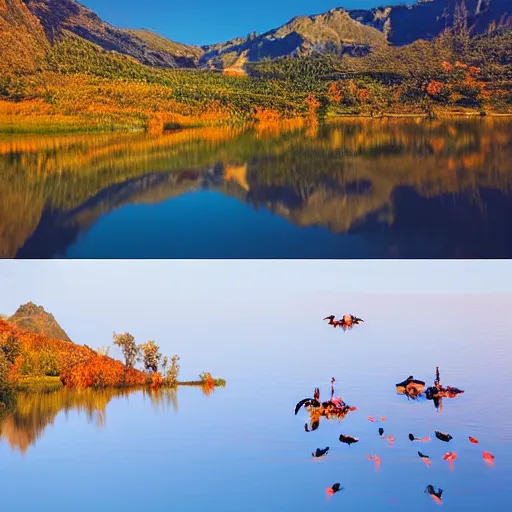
{"points": [[48, 127], [51, 384]]}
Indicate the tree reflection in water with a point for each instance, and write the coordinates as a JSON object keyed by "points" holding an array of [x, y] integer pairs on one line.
{"points": [[23, 425]]}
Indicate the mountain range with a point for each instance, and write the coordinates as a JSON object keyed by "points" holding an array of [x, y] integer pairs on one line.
{"points": [[36, 24]]}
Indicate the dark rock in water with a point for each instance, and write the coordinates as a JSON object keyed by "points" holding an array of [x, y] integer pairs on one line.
{"points": [[320, 453], [348, 439], [443, 436]]}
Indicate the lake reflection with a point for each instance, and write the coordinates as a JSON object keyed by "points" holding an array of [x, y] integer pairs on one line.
{"points": [[34, 413], [353, 189], [244, 449]]}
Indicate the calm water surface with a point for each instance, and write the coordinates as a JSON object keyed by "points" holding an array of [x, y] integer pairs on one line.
{"points": [[356, 189], [242, 448]]}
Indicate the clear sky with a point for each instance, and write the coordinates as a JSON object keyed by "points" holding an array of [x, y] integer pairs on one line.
{"points": [[116, 292], [205, 21]]}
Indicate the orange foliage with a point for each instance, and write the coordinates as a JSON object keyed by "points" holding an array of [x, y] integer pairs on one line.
{"points": [[333, 93], [156, 380], [434, 88], [312, 104], [77, 365], [461, 65], [447, 67], [474, 70], [364, 95], [265, 115], [234, 72], [156, 124]]}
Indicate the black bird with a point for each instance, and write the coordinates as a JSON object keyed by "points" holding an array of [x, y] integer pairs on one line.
{"points": [[436, 495], [348, 439], [320, 453], [410, 380], [423, 456], [381, 431], [334, 489], [443, 436], [306, 402], [421, 439]]}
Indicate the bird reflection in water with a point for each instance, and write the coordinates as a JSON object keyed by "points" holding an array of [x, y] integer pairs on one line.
{"points": [[414, 389], [436, 495], [334, 408]]}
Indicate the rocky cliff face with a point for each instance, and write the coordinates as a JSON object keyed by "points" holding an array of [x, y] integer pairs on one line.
{"points": [[59, 16], [36, 319], [23, 41], [404, 24], [27, 26]]}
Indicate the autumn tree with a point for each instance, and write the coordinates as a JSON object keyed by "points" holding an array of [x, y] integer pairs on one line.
{"points": [[11, 348], [313, 105], [130, 350], [334, 93], [151, 355], [173, 373], [5, 387]]}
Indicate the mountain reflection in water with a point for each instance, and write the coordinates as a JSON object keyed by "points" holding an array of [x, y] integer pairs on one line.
{"points": [[357, 188]]}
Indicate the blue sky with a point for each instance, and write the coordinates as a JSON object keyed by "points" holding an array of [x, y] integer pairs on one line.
{"points": [[205, 21]]}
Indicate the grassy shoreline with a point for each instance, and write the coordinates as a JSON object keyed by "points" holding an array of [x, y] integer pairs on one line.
{"points": [[51, 384], [24, 126]]}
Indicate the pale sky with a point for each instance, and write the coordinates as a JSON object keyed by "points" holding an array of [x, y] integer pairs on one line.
{"points": [[197, 307]]}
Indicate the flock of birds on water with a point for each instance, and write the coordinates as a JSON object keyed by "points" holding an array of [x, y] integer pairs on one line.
{"points": [[413, 388]]}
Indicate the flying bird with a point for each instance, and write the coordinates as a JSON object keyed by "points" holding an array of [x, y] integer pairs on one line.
{"points": [[473, 440], [333, 321], [348, 321], [443, 436], [333, 489], [348, 439], [381, 431], [320, 453]]}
